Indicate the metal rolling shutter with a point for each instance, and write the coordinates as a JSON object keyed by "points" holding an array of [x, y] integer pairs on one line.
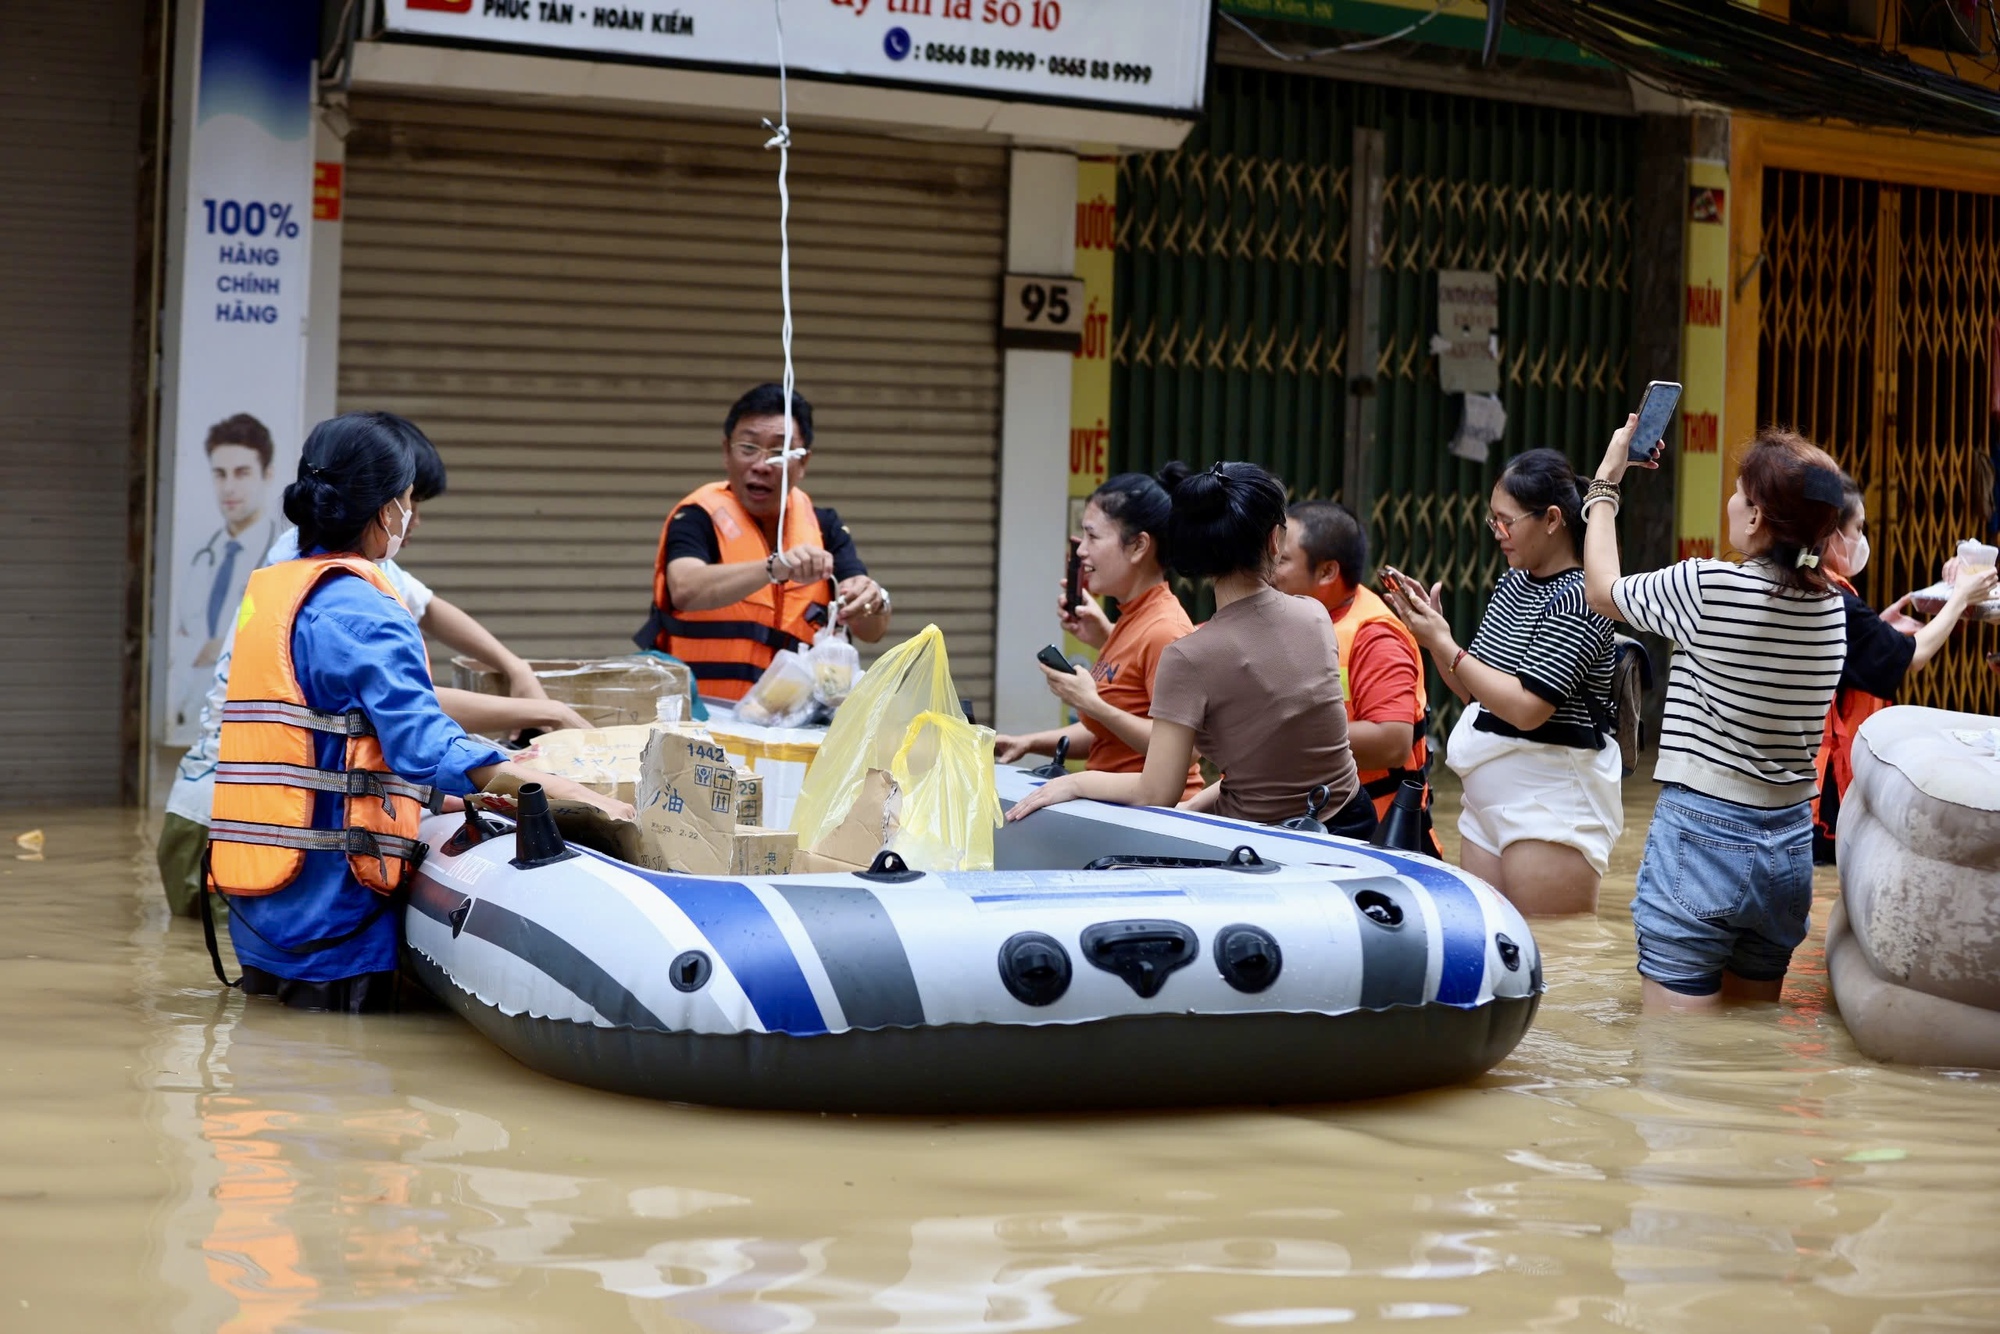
{"points": [[569, 301], [69, 174]]}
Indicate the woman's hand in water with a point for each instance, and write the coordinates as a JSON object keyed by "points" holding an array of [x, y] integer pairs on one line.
{"points": [[1075, 688], [1048, 794], [1087, 622]]}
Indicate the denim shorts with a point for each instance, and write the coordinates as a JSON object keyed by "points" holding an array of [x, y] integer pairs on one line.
{"points": [[1722, 887]]}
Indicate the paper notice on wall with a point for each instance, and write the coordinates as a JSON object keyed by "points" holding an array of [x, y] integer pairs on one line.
{"points": [[238, 373]]}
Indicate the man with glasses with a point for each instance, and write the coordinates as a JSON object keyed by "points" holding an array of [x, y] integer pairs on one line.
{"points": [[726, 596]]}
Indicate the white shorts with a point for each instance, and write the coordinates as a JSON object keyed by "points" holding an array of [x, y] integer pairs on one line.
{"points": [[1516, 789]]}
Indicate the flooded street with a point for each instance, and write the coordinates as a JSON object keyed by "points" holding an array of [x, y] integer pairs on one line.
{"points": [[171, 1159]]}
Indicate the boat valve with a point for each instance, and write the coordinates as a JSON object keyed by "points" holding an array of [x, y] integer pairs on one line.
{"points": [[1315, 803], [1055, 768], [537, 841]]}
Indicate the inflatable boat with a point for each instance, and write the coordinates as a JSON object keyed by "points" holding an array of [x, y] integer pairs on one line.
{"points": [[1117, 958], [1913, 946]]}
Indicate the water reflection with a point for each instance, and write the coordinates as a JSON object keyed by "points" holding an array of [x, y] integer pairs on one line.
{"points": [[321, 1172]]}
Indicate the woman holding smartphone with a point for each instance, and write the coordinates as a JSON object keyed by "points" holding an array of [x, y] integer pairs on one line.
{"points": [[1256, 688], [1122, 556], [1543, 802]]}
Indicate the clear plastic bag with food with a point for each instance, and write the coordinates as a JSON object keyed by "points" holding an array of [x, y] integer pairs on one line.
{"points": [[836, 664], [783, 695]]}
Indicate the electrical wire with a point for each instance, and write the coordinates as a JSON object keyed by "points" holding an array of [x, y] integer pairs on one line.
{"points": [[1313, 53], [1716, 51], [781, 139]]}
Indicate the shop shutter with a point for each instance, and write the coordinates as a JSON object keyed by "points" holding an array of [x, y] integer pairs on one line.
{"points": [[69, 176], [1231, 337], [569, 301]]}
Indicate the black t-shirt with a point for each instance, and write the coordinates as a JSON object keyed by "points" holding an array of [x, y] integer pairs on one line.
{"points": [[1878, 654], [692, 533]]}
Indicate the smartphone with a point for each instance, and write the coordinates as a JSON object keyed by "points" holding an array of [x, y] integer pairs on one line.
{"points": [[1053, 659], [1073, 589], [1656, 409], [1409, 587]]}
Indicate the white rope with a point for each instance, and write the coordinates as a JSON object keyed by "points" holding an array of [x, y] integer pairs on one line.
{"points": [[781, 139]]}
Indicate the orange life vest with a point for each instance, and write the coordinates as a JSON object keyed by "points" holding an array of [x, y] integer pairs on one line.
{"points": [[728, 648], [1365, 610], [1834, 764], [268, 773]]}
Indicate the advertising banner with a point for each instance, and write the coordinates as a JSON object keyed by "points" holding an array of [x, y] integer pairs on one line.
{"points": [[1704, 361], [239, 372], [1147, 55], [1090, 366]]}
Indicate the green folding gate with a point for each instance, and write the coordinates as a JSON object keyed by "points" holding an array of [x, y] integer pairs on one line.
{"points": [[1232, 310]]}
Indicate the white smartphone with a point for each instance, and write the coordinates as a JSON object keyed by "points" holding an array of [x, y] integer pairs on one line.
{"points": [[1656, 409]]}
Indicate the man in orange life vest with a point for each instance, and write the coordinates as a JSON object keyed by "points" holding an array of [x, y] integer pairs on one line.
{"points": [[725, 598], [1381, 669]]}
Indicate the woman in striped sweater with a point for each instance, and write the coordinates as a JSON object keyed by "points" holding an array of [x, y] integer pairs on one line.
{"points": [[1725, 883], [1541, 807]]}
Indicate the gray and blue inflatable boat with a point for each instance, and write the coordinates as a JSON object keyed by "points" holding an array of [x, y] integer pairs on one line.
{"points": [[1117, 958]]}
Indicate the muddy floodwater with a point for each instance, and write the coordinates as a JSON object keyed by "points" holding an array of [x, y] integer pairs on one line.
{"points": [[171, 1159]]}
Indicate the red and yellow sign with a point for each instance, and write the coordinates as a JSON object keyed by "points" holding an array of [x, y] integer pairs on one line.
{"points": [[1090, 370], [1704, 360], [326, 191]]}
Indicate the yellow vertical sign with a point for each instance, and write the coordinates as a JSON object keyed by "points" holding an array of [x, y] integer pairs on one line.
{"points": [[1090, 371], [1704, 360]]}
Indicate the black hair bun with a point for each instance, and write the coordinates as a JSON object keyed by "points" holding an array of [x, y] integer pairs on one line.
{"points": [[1173, 474], [1201, 496], [314, 506]]}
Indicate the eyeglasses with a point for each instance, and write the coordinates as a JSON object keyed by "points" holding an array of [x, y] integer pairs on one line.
{"points": [[749, 451], [1503, 527]]}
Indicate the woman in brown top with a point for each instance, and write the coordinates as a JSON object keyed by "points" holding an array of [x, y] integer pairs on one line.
{"points": [[1256, 688]]}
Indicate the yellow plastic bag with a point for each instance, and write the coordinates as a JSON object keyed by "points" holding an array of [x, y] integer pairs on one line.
{"points": [[950, 805], [880, 727]]}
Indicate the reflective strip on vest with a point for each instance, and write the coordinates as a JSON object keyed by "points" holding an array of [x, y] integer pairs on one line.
{"points": [[347, 782], [297, 715], [352, 841]]}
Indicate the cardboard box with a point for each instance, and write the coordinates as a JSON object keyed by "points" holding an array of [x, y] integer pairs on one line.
{"points": [[603, 759], [580, 823], [870, 824], [687, 804], [749, 798], [610, 692], [755, 851]]}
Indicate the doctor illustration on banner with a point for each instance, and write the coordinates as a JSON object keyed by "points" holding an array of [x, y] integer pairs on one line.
{"points": [[239, 454]]}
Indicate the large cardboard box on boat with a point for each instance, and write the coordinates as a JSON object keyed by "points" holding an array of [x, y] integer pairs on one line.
{"points": [[867, 828], [609, 692], [603, 759], [690, 808], [687, 803]]}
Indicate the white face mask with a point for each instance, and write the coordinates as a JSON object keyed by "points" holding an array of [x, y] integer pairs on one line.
{"points": [[396, 539], [1857, 554]]}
